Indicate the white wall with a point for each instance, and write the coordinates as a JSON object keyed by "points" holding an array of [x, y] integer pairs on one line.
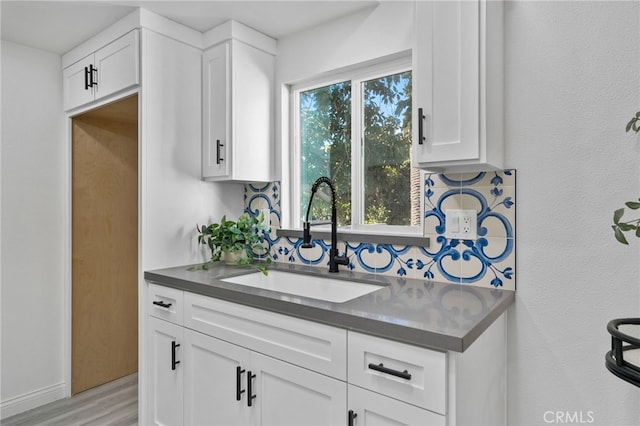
{"points": [[572, 82], [32, 228]]}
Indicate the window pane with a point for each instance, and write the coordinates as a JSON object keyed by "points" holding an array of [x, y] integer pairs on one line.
{"points": [[388, 178], [325, 140]]}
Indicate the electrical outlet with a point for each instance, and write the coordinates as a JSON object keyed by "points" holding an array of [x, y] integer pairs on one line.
{"points": [[461, 224], [466, 225]]}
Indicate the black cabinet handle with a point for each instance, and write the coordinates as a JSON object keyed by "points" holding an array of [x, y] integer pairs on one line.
{"points": [[87, 74], [94, 83], [174, 362], [239, 390], [352, 417], [88, 77], [421, 118], [161, 304], [250, 395], [218, 146], [381, 368]]}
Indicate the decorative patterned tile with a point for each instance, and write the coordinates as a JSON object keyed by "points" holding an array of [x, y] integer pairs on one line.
{"points": [[488, 261], [441, 261], [258, 197], [496, 215]]}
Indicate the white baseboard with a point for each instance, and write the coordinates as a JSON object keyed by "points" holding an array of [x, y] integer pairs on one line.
{"points": [[31, 400]]}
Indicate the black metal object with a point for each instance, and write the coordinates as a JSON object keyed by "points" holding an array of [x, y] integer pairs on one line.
{"points": [[334, 255], [239, 391], [614, 359], [352, 417], [382, 369], [218, 146], [421, 118], [88, 77], [161, 304], [174, 362], [92, 69], [250, 395]]}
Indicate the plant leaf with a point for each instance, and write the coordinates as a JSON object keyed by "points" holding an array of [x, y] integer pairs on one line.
{"points": [[638, 232], [617, 215], [626, 227], [634, 205], [620, 236]]}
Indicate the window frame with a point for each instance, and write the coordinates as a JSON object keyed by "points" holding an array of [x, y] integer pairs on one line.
{"points": [[356, 75]]}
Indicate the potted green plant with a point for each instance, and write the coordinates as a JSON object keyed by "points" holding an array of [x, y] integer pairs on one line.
{"points": [[620, 227], [235, 242]]}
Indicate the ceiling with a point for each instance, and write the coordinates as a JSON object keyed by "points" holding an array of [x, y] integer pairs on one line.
{"points": [[59, 26]]}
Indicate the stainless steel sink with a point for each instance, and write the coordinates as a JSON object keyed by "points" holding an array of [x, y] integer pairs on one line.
{"points": [[314, 287]]}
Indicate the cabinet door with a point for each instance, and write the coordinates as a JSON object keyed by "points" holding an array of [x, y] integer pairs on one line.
{"points": [[165, 372], [447, 81], [216, 102], [118, 65], [214, 389], [253, 112], [373, 409], [76, 90], [290, 395]]}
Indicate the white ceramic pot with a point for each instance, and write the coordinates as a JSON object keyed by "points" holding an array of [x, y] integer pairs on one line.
{"points": [[233, 257]]}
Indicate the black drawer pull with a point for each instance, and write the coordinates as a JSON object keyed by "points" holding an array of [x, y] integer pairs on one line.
{"points": [[161, 304], [381, 368], [239, 390]]}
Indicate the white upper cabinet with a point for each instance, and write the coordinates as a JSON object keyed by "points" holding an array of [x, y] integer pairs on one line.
{"points": [[108, 70], [458, 85], [237, 109]]}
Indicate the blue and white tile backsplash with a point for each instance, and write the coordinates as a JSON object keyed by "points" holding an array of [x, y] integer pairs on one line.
{"points": [[488, 261]]}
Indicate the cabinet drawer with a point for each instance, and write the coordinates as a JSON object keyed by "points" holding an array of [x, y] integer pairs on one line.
{"points": [[408, 373], [166, 303], [310, 345]]}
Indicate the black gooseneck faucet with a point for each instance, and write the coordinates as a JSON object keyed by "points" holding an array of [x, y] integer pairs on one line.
{"points": [[334, 257]]}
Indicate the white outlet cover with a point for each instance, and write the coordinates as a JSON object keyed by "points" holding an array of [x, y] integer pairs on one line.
{"points": [[461, 224]]}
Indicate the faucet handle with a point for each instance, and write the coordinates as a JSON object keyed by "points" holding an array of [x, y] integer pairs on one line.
{"points": [[306, 235], [344, 258]]}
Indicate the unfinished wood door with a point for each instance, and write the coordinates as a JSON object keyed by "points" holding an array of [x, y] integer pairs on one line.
{"points": [[104, 244]]}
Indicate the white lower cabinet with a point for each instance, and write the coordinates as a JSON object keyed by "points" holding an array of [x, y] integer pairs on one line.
{"points": [[368, 408], [289, 395], [166, 378], [226, 384], [212, 362], [215, 374]]}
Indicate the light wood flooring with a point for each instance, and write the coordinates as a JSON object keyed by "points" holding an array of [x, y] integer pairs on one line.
{"points": [[114, 403]]}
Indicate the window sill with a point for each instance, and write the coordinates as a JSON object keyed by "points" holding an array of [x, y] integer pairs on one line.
{"points": [[392, 239]]}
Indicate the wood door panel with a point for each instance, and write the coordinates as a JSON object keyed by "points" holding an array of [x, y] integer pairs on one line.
{"points": [[104, 246]]}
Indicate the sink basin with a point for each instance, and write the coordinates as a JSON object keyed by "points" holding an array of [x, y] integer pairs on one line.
{"points": [[322, 288]]}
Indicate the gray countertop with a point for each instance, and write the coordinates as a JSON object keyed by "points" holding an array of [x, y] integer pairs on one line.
{"points": [[423, 313]]}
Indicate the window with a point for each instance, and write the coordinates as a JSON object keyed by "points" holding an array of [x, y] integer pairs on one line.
{"points": [[357, 131]]}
